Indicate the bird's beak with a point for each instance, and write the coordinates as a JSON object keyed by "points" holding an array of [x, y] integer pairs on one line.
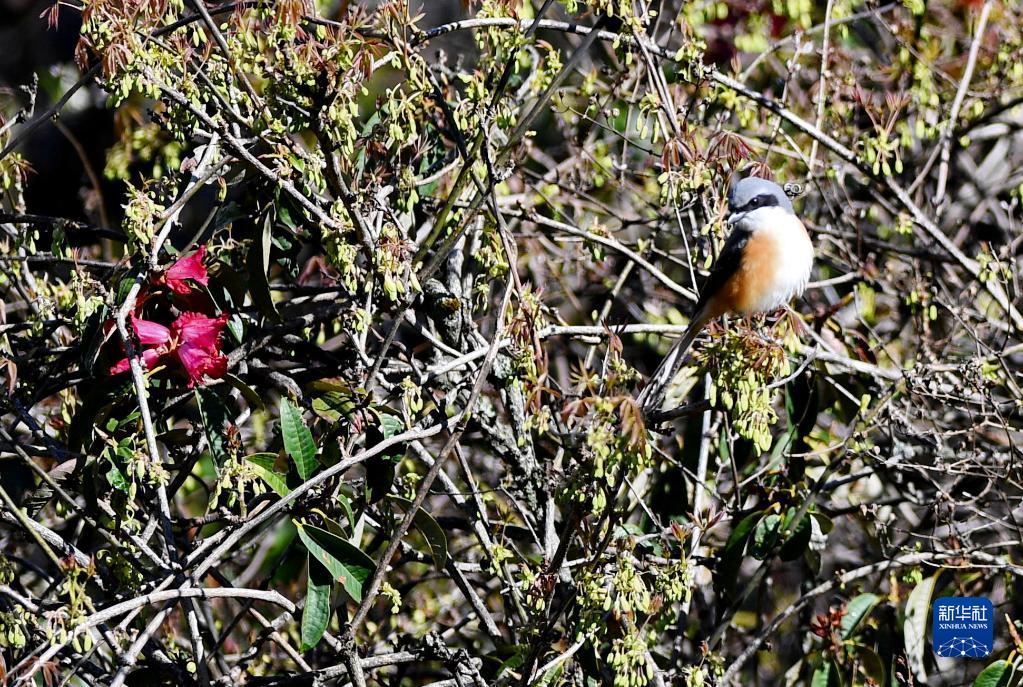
{"points": [[735, 217]]}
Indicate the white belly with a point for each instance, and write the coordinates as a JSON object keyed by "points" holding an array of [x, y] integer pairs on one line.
{"points": [[792, 271]]}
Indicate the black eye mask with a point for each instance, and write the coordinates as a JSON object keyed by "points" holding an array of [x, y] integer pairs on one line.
{"points": [[762, 201]]}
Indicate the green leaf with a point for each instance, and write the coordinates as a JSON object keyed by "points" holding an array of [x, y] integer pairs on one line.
{"points": [[298, 440], [727, 569], [284, 215], [337, 399], [227, 214], [858, 609], [798, 539], [117, 479], [824, 522], [124, 287], [258, 262], [332, 526], [214, 416], [231, 286], [380, 473], [92, 337], [431, 530], [782, 446], [914, 630], [250, 394], [514, 661], [380, 469], [997, 674], [316, 614], [391, 425], [236, 326], [346, 506], [765, 536], [332, 405], [871, 664], [826, 676], [346, 563], [330, 454], [263, 464]]}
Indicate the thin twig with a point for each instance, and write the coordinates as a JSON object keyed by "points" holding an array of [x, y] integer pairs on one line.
{"points": [[957, 103]]}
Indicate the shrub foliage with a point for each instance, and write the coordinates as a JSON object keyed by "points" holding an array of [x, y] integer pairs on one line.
{"points": [[331, 376]]}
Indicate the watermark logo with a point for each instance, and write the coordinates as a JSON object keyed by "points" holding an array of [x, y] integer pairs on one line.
{"points": [[963, 627]]}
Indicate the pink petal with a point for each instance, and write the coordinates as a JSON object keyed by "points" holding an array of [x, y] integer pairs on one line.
{"points": [[150, 333], [199, 363], [150, 356], [188, 267], [201, 331], [179, 287]]}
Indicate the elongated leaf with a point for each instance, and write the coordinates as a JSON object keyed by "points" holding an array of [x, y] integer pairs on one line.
{"points": [[871, 664], [728, 566], [799, 538], [298, 440], [914, 630], [346, 506], [92, 337], [997, 674], [346, 563], [821, 676], [514, 661], [858, 609], [431, 530], [391, 425], [765, 536], [331, 525], [742, 531], [333, 405], [258, 263], [250, 394], [380, 473], [87, 418], [826, 676], [214, 416], [824, 522], [228, 213], [117, 479], [229, 284], [316, 614], [263, 464], [380, 469]]}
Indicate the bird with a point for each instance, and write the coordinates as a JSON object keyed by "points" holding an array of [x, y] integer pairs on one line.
{"points": [[764, 264]]}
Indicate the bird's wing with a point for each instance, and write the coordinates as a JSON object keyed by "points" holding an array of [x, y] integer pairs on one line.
{"points": [[727, 264]]}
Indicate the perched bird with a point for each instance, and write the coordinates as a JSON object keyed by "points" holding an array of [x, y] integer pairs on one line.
{"points": [[764, 264]]}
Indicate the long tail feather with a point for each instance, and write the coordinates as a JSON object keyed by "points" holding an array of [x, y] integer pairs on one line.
{"points": [[652, 396]]}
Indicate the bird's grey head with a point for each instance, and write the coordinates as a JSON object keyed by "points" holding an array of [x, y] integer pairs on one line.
{"points": [[751, 194]]}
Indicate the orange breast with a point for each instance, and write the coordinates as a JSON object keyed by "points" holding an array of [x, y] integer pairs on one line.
{"points": [[754, 276]]}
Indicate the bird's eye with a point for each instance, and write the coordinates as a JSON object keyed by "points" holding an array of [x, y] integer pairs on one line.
{"points": [[755, 202]]}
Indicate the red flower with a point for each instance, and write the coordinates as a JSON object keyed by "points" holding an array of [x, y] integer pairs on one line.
{"points": [[188, 267], [193, 339]]}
